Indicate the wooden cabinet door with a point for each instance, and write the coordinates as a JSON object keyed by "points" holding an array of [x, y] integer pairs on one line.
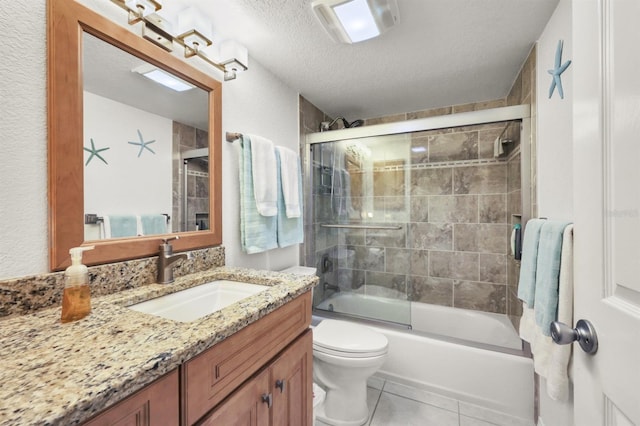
{"points": [[155, 404], [213, 375], [245, 407], [291, 384]]}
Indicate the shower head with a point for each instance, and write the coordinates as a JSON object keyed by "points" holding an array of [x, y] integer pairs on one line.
{"points": [[326, 125]]}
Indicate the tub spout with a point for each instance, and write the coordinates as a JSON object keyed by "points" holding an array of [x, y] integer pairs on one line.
{"points": [[326, 286]]}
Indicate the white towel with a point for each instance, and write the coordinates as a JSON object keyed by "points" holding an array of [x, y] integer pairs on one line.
{"points": [[557, 369], [289, 176], [290, 229], [550, 360], [263, 165]]}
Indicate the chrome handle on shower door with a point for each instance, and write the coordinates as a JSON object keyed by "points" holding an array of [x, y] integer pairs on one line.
{"points": [[359, 226], [584, 334]]}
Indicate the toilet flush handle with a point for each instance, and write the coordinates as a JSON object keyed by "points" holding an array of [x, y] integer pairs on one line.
{"points": [[280, 385]]}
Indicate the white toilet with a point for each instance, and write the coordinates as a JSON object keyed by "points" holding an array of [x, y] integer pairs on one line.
{"points": [[345, 355]]}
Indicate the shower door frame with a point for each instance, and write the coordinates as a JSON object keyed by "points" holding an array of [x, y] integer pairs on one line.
{"points": [[520, 113], [186, 156]]}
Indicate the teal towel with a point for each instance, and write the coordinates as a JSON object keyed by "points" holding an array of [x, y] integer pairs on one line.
{"points": [[290, 230], [548, 274], [257, 232], [527, 282], [153, 224], [123, 225]]}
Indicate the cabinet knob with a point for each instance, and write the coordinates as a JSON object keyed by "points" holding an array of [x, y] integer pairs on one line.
{"points": [[268, 399], [280, 385]]}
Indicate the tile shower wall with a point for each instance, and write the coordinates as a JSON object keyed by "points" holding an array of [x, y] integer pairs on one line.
{"points": [[186, 138]]}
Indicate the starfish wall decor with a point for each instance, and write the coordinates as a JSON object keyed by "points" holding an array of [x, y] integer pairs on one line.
{"points": [[557, 71], [143, 145], [94, 152]]}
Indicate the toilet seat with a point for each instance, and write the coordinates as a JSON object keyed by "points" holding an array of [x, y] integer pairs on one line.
{"points": [[343, 354], [348, 340]]}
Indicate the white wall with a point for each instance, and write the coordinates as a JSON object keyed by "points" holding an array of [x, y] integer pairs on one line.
{"points": [[555, 118], [23, 140], [132, 182], [257, 102], [555, 157]]}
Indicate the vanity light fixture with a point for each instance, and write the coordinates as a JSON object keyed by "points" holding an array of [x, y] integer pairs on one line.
{"points": [[194, 34], [235, 56], [193, 29], [162, 77], [139, 9], [352, 21]]}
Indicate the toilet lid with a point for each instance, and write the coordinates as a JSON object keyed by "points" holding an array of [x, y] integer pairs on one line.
{"points": [[347, 337]]}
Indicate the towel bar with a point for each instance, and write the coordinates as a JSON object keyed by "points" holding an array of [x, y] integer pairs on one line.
{"points": [[231, 137], [93, 219]]}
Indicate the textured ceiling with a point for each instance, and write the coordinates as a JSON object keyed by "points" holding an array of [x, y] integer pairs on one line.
{"points": [[107, 72], [442, 52]]}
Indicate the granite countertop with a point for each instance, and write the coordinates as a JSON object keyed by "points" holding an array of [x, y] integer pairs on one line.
{"points": [[53, 373]]}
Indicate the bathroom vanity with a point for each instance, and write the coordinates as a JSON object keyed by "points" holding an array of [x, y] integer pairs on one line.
{"points": [[216, 373], [250, 360]]}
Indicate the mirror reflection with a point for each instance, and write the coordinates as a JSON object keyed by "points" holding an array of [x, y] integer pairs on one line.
{"points": [[146, 147]]}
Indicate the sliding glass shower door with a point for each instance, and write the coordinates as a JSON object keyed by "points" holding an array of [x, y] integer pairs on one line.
{"points": [[398, 220], [360, 191]]}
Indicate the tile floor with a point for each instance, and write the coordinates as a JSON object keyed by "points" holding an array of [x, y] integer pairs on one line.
{"points": [[393, 404]]}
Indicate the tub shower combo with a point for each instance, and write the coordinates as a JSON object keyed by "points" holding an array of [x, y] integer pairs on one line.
{"points": [[409, 226]]}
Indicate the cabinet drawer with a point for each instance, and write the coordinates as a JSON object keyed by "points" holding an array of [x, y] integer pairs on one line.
{"points": [[215, 373], [157, 403]]}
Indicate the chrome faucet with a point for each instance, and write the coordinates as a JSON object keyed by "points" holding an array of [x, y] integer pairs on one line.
{"points": [[167, 260], [326, 286]]}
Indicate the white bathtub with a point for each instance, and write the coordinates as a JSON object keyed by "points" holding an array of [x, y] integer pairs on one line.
{"points": [[473, 326], [472, 373]]}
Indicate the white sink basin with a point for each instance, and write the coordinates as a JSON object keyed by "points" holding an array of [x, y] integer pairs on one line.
{"points": [[197, 302]]}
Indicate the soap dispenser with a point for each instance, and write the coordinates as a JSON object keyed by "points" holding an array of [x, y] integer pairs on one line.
{"points": [[76, 299]]}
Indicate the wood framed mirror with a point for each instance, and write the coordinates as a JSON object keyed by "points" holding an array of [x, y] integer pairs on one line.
{"points": [[68, 22]]}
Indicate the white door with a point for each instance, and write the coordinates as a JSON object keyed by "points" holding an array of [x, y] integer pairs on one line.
{"points": [[606, 128]]}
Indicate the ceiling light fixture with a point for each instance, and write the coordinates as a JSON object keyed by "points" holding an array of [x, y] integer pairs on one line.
{"points": [[194, 34], [352, 21], [163, 77]]}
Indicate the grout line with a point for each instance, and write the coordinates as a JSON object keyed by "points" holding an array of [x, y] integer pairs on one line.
{"points": [[457, 402], [375, 407]]}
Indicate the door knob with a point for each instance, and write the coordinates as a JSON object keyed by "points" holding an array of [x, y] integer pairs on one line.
{"points": [[584, 334], [280, 385]]}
